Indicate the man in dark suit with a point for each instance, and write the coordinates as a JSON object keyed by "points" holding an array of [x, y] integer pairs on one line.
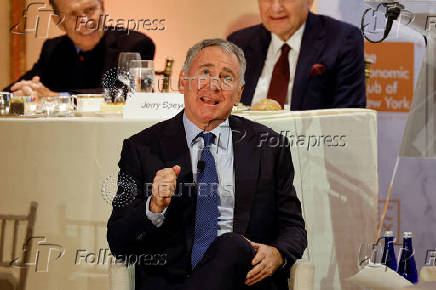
{"points": [[77, 62], [210, 202], [302, 60]]}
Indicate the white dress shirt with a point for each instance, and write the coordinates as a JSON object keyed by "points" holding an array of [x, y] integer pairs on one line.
{"points": [[222, 152], [273, 54]]}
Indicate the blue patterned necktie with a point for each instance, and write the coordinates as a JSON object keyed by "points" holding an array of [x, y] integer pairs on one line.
{"points": [[206, 213]]}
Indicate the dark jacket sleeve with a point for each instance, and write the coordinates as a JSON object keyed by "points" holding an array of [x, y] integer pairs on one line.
{"points": [[350, 81], [128, 227], [38, 67], [146, 48]]}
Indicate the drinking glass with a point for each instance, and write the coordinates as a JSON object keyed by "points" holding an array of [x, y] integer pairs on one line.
{"points": [[124, 59], [4, 103], [65, 106], [50, 106], [142, 75], [365, 255]]}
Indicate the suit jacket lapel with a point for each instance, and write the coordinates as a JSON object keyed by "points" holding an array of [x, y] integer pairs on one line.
{"points": [[246, 165], [174, 149], [311, 46], [246, 156], [256, 55]]}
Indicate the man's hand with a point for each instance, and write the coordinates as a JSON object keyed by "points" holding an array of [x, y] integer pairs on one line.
{"points": [[164, 185], [32, 88], [266, 261]]}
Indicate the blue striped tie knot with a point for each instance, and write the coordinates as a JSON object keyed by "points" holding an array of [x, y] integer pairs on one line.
{"points": [[208, 138]]}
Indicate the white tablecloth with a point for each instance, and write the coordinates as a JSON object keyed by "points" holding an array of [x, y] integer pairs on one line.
{"points": [[62, 163]]}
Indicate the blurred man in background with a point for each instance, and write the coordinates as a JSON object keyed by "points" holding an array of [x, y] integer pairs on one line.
{"points": [[302, 60], [77, 61]]}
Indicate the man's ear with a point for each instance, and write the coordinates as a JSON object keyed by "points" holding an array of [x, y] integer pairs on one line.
{"points": [[182, 82], [310, 4], [62, 23], [237, 98]]}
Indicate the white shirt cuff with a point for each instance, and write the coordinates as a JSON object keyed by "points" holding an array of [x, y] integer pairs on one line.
{"points": [[156, 218]]}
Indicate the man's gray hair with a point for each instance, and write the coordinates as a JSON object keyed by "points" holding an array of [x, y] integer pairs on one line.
{"points": [[56, 8], [225, 45]]}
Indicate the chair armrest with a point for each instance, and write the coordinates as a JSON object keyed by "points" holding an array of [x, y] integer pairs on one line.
{"points": [[121, 277], [302, 276], [428, 273]]}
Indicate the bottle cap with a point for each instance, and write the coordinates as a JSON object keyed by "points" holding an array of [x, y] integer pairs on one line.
{"points": [[389, 234], [407, 234]]}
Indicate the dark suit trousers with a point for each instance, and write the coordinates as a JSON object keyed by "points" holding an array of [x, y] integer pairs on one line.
{"points": [[224, 267]]}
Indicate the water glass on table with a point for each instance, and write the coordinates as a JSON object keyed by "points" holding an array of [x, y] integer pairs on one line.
{"points": [[66, 106], [142, 75], [365, 255], [4, 103], [124, 59], [50, 106]]}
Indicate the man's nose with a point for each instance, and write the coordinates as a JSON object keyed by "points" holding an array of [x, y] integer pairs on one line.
{"points": [[215, 84], [209, 83], [277, 5], [90, 24], [203, 82]]}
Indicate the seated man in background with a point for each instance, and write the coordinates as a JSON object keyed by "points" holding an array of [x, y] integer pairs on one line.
{"points": [[77, 61], [302, 60], [214, 207]]}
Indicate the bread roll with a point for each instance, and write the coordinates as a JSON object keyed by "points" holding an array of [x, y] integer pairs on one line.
{"points": [[266, 105]]}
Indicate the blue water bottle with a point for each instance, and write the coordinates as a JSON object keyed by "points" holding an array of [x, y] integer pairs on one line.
{"points": [[388, 257], [407, 265]]}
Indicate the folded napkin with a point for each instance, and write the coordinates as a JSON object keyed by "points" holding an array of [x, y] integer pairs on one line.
{"points": [[379, 277]]}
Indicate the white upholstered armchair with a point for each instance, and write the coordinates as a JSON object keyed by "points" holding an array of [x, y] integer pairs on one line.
{"points": [[301, 278]]}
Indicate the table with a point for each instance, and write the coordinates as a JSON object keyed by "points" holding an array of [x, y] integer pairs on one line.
{"points": [[62, 163]]}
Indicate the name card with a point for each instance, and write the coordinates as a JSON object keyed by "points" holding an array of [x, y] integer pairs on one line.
{"points": [[154, 106]]}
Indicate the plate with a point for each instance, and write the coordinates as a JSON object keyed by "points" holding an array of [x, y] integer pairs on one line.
{"points": [[85, 114], [109, 114], [259, 113]]}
